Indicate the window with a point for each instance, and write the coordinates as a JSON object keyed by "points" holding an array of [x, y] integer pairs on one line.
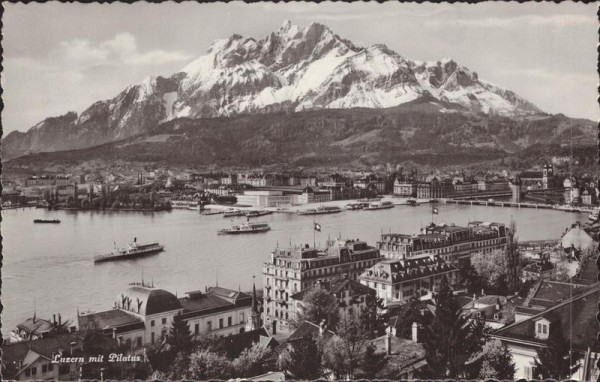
{"points": [[152, 323], [50, 367], [164, 321], [229, 321], [138, 342], [33, 370], [152, 337], [27, 372], [44, 368], [196, 328], [242, 317], [220, 323], [209, 325]]}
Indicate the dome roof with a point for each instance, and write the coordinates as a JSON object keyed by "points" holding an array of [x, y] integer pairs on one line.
{"points": [[146, 300]]}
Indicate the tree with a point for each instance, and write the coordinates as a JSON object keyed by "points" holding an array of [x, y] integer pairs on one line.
{"points": [[371, 318], [451, 339], [342, 353], [318, 305], [490, 266], [496, 362], [302, 359], [554, 359], [512, 258], [179, 338], [255, 360], [205, 364], [372, 362]]}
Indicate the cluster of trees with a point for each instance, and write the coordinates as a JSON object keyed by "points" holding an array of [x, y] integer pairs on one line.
{"points": [[180, 356], [116, 200]]}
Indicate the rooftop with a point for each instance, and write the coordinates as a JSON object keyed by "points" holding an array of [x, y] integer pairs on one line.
{"points": [[335, 287], [404, 353], [577, 313], [108, 319], [46, 346], [146, 300], [309, 329]]}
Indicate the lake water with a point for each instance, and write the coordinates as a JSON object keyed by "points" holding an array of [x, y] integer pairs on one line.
{"points": [[53, 263]]}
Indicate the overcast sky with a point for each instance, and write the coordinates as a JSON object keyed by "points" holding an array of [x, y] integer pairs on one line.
{"points": [[63, 57]]}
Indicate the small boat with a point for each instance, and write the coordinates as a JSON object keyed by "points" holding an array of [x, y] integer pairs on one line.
{"points": [[133, 250], [322, 210], [379, 206], [257, 213], [412, 203], [233, 213], [212, 212], [354, 206], [51, 221], [247, 227]]}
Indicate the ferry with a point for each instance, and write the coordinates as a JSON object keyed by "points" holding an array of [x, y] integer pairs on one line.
{"points": [[52, 221], [354, 206], [257, 213], [379, 205], [322, 210], [247, 227], [233, 213], [133, 250]]}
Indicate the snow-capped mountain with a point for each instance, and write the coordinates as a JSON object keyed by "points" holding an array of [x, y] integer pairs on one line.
{"points": [[291, 69]]}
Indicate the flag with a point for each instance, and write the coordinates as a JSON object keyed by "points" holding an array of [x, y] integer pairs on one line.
{"points": [[435, 211], [317, 227]]}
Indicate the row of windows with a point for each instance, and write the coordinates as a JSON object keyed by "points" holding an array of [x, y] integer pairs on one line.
{"points": [[164, 322]]}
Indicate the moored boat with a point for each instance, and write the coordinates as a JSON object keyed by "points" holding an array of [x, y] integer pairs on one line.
{"points": [[133, 250], [247, 227], [51, 221], [257, 213], [233, 213], [322, 210], [354, 206]]}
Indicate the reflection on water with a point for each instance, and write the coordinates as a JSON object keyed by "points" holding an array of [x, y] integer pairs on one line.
{"points": [[53, 263]]}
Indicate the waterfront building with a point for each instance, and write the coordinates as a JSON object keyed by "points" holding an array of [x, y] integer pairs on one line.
{"points": [[406, 188], [352, 296], [434, 189], [143, 314], [454, 244], [309, 195], [574, 318], [290, 270], [539, 179], [46, 180], [399, 280], [265, 198], [372, 179], [32, 360], [465, 188]]}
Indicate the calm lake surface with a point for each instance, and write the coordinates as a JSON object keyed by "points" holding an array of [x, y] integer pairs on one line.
{"points": [[53, 263]]}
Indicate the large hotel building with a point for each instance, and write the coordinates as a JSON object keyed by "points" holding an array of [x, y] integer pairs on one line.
{"points": [[452, 243], [288, 271]]}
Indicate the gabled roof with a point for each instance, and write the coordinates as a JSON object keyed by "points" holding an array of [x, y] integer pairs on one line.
{"points": [[576, 315], [309, 329], [115, 318], [36, 325], [45, 347]]}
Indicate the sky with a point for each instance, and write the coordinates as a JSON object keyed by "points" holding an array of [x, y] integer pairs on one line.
{"points": [[64, 57]]}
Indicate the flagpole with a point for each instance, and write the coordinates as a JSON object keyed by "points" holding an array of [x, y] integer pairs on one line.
{"points": [[314, 234]]}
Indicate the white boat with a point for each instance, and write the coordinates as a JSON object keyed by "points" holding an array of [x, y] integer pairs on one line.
{"points": [[322, 210], [379, 206], [247, 227]]}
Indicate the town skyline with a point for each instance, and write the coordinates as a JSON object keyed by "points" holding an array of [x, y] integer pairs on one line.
{"points": [[55, 73]]}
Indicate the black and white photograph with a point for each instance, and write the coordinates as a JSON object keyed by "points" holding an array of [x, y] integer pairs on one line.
{"points": [[300, 191]]}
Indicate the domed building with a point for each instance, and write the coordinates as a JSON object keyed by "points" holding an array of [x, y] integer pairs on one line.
{"points": [[145, 300]]}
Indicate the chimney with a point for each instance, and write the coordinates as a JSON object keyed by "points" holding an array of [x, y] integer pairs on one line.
{"points": [[497, 304], [415, 332], [114, 333], [388, 343], [59, 320], [54, 319], [72, 346]]}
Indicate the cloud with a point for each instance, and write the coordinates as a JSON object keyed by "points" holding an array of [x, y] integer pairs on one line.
{"points": [[552, 75], [513, 22], [120, 50]]}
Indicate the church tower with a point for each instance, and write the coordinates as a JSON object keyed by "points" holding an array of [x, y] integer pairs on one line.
{"points": [[255, 319]]}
